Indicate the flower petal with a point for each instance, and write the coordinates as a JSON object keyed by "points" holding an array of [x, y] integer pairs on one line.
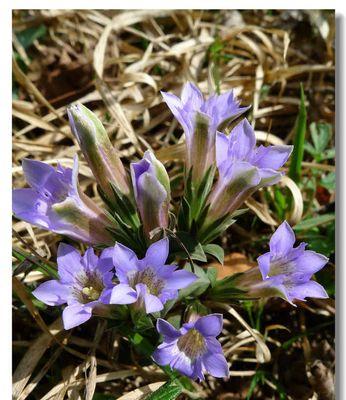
{"points": [[76, 314], [282, 240], [151, 303], [123, 294], [310, 262], [28, 205], [124, 260], [90, 259], [180, 279], [215, 364], [69, 262], [210, 325], [37, 173], [191, 96], [52, 292], [244, 138], [105, 261], [221, 149], [272, 157], [166, 329], [308, 289], [157, 253], [164, 354], [183, 364], [264, 264]]}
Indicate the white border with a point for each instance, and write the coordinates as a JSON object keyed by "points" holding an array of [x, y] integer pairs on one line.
{"points": [[5, 148]]}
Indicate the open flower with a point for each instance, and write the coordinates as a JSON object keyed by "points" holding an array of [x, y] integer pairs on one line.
{"points": [[200, 120], [193, 349], [85, 284], [243, 168], [152, 192], [54, 202], [98, 150], [149, 282], [285, 271]]}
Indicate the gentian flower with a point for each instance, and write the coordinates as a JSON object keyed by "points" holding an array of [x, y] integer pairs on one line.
{"points": [[200, 120], [98, 150], [149, 282], [243, 168], [55, 202], [285, 271], [85, 284], [152, 192], [193, 349]]}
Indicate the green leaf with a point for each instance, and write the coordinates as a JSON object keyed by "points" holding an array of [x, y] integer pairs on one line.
{"points": [[328, 181], [315, 221], [298, 151], [27, 37], [169, 391], [215, 250], [192, 245], [199, 286], [320, 135]]}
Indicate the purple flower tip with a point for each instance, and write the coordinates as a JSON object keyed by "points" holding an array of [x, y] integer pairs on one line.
{"points": [[193, 349]]}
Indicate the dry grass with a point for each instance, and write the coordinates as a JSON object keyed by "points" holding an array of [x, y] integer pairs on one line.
{"points": [[116, 63]]}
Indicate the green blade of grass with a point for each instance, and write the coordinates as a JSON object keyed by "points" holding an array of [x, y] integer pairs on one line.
{"points": [[299, 139]]}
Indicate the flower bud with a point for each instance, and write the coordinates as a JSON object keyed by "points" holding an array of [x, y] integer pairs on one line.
{"points": [[101, 156], [152, 192]]}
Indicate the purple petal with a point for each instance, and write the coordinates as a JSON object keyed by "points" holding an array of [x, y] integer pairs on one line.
{"points": [[124, 260], [105, 262], [76, 314], [308, 289], [183, 364], [272, 157], [269, 176], [210, 325], [180, 279], [29, 206], [175, 105], [166, 329], [157, 253], [310, 262], [152, 303], [37, 173], [90, 259], [264, 264], [244, 137], [52, 293], [215, 364], [69, 262], [165, 353], [282, 240], [222, 143], [192, 96], [123, 294]]}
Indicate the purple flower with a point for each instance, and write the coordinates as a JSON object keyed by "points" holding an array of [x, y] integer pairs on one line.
{"points": [[98, 150], [149, 281], [285, 271], [54, 202], [243, 168], [200, 120], [152, 192], [193, 349], [85, 284]]}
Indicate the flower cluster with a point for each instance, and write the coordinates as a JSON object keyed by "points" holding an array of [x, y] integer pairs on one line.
{"points": [[145, 252]]}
